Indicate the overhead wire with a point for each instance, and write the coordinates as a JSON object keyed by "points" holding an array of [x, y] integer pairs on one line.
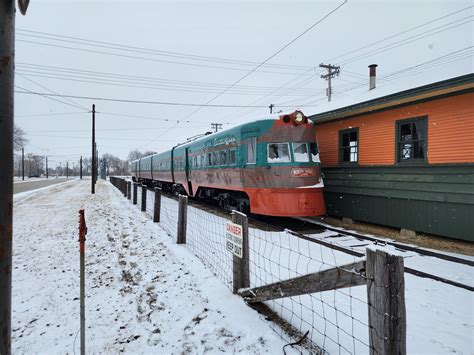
{"points": [[264, 62], [118, 46], [66, 101], [399, 34]]}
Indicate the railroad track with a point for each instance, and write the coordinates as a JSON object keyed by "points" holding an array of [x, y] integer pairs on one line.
{"points": [[304, 227]]}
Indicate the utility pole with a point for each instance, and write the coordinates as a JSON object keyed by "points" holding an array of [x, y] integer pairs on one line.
{"points": [[333, 71], [80, 168], [67, 170], [271, 108], [216, 126], [93, 151], [47, 173], [7, 75], [96, 163], [22, 163]]}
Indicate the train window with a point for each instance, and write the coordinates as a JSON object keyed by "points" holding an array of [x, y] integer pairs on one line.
{"points": [[300, 152], [279, 153], [412, 140], [209, 159], [349, 146], [232, 158], [252, 150], [223, 157], [313, 149]]}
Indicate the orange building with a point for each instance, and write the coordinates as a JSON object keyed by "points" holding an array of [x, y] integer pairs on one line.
{"points": [[404, 160]]}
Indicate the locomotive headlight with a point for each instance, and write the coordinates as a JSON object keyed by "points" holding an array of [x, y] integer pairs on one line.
{"points": [[299, 118]]}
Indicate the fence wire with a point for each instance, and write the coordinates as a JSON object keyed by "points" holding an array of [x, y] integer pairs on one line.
{"points": [[169, 216], [336, 320], [205, 237]]}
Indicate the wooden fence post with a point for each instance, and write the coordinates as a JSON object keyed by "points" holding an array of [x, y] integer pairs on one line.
{"points": [[129, 190], [135, 192], [241, 270], [182, 219], [386, 298], [143, 198], [157, 206]]}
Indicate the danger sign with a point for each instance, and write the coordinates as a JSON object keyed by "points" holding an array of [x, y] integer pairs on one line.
{"points": [[233, 234]]}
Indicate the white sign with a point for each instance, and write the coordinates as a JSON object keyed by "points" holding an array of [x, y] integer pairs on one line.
{"points": [[233, 234]]}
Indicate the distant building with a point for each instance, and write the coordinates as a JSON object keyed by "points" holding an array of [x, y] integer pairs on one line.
{"points": [[404, 160]]}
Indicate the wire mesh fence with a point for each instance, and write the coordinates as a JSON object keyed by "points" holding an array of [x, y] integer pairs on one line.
{"points": [[341, 318], [337, 319], [205, 238]]}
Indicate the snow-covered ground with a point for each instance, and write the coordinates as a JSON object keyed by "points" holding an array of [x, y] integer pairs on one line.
{"points": [[144, 293], [147, 294]]}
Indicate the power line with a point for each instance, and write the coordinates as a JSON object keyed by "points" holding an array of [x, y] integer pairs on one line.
{"points": [[116, 46], [265, 61], [149, 59], [50, 114], [29, 92], [133, 84], [45, 95], [345, 71], [273, 55], [398, 34], [407, 40], [43, 87], [168, 83]]}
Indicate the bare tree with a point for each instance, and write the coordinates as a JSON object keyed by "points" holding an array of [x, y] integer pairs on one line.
{"points": [[19, 139], [134, 155]]}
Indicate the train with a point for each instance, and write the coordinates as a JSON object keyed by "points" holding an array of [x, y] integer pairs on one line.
{"points": [[268, 167]]}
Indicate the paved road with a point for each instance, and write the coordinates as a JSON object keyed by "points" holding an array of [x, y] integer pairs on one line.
{"points": [[33, 185]]}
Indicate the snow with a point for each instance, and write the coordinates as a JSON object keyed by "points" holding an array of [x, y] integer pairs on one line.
{"points": [[145, 294]]}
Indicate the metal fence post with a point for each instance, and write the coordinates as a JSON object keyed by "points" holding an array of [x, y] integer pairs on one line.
{"points": [[157, 206], [386, 299], [144, 198], [182, 219], [129, 190], [241, 269], [135, 191]]}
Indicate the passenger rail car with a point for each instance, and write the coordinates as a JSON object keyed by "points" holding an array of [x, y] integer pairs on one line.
{"points": [[268, 167]]}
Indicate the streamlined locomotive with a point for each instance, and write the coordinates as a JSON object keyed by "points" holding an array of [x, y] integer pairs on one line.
{"points": [[268, 167]]}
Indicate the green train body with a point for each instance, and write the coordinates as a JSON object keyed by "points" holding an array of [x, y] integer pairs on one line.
{"points": [[268, 167]]}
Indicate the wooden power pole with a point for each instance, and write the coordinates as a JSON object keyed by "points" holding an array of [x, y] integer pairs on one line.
{"points": [[333, 71]]}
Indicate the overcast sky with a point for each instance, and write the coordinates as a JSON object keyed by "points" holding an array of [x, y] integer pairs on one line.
{"points": [[189, 52]]}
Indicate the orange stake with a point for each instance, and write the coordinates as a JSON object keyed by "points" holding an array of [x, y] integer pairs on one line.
{"points": [[82, 242]]}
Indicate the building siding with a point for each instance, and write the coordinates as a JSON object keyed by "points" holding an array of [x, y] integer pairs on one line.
{"points": [[436, 197], [436, 200], [450, 132]]}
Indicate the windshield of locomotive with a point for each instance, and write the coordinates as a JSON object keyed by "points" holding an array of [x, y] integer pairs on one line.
{"points": [[313, 148], [300, 152], [279, 153]]}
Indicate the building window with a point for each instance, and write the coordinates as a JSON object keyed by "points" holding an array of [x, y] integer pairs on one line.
{"points": [[349, 146], [411, 140]]}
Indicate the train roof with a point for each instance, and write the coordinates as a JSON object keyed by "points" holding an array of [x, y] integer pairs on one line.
{"points": [[224, 137]]}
